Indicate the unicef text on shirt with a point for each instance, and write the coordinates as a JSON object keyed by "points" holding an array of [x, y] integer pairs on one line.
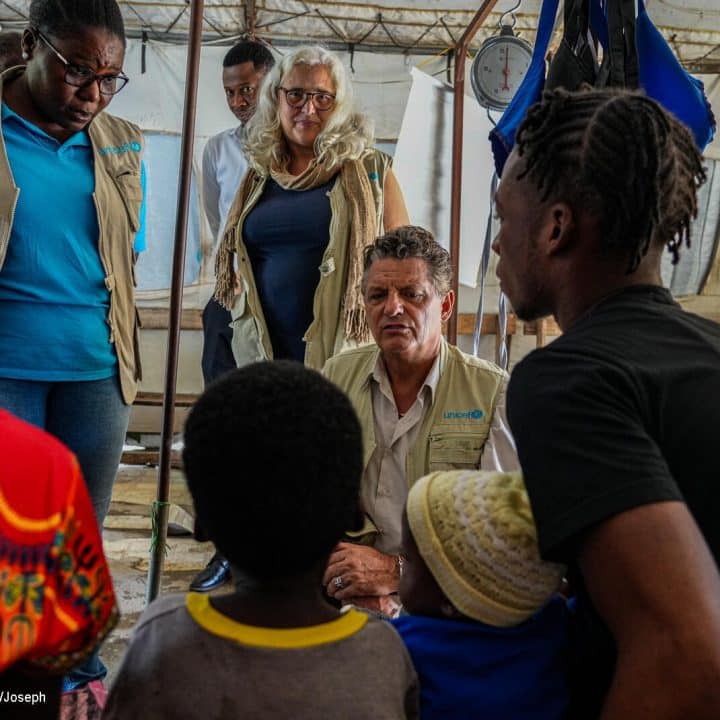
{"points": [[475, 414], [125, 147]]}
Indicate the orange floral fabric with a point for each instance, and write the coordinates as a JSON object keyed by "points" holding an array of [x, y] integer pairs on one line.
{"points": [[56, 595]]}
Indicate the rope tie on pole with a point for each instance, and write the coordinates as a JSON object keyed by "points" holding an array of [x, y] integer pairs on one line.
{"points": [[158, 507]]}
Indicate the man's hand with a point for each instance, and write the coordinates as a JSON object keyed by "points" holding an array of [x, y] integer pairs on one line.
{"points": [[356, 570]]}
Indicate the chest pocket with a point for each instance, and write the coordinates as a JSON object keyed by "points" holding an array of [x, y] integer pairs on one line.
{"points": [[130, 190], [455, 450]]}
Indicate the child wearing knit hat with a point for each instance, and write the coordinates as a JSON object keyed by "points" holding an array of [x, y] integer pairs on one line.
{"points": [[487, 631]]}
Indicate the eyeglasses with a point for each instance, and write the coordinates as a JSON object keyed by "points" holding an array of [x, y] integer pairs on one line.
{"points": [[81, 76], [297, 97]]}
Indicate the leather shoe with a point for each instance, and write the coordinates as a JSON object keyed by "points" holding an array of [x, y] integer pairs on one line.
{"points": [[215, 574]]}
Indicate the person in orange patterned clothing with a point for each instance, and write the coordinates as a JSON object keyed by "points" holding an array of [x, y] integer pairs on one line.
{"points": [[56, 596]]}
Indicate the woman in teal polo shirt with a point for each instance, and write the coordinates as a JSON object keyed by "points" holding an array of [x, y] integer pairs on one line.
{"points": [[73, 206]]}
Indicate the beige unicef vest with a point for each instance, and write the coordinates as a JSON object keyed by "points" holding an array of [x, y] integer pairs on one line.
{"points": [[118, 146], [324, 337], [452, 434]]}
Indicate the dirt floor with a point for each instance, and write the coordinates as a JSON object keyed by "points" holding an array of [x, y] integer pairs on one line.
{"points": [[126, 537]]}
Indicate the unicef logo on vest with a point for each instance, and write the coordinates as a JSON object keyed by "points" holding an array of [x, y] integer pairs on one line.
{"points": [[120, 149], [475, 414]]}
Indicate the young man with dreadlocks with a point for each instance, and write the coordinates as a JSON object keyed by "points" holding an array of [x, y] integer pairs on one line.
{"points": [[616, 421]]}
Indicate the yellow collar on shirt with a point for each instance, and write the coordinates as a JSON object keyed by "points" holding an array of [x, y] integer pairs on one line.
{"points": [[216, 623]]}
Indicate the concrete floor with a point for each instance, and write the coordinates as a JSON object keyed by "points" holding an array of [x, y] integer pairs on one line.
{"points": [[126, 539]]}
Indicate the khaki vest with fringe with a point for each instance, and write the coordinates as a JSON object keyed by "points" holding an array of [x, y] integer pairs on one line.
{"points": [[324, 337]]}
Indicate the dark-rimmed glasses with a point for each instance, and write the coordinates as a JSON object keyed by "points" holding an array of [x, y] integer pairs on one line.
{"points": [[81, 76], [297, 97]]}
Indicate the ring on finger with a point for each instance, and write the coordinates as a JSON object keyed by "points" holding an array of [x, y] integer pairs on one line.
{"points": [[338, 582]]}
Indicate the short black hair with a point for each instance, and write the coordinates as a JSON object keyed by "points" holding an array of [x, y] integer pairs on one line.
{"points": [[412, 241], [621, 156], [10, 49], [273, 459], [62, 18], [250, 51]]}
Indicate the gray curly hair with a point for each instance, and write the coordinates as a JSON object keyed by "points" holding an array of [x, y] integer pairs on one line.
{"points": [[347, 135]]}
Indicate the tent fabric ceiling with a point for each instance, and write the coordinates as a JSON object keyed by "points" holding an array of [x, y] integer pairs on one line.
{"points": [[692, 26]]}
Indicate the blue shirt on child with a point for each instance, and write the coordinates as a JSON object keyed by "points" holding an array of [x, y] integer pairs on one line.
{"points": [[472, 670]]}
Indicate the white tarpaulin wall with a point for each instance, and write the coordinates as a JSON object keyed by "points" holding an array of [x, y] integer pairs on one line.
{"points": [[712, 89], [154, 99], [689, 275], [423, 165]]}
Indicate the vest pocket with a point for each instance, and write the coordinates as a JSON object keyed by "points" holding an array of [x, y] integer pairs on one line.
{"points": [[130, 189], [246, 345], [455, 450]]}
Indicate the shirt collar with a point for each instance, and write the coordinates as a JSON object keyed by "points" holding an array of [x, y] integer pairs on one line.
{"points": [[380, 376], [80, 139]]}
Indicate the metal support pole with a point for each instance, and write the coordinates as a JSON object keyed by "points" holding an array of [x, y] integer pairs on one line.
{"points": [[250, 18], [160, 506], [457, 155]]}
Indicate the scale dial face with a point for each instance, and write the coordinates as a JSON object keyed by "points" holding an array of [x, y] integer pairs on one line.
{"points": [[498, 69]]}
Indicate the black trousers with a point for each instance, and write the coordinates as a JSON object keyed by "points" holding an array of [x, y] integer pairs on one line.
{"points": [[217, 356]]}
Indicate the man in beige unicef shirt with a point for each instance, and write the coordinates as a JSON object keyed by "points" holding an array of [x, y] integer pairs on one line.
{"points": [[423, 405]]}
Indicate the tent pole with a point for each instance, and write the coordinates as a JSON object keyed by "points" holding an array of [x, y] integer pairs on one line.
{"points": [[250, 18], [458, 108], [161, 505]]}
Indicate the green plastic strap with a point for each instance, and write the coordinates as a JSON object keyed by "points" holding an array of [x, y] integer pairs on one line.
{"points": [[154, 518]]}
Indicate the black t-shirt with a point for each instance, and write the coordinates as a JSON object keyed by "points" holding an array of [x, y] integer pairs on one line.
{"points": [[622, 410]]}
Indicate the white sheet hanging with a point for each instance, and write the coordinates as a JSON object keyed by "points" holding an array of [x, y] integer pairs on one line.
{"points": [[423, 165]]}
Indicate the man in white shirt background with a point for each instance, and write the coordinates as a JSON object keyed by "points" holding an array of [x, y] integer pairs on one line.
{"points": [[224, 164]]}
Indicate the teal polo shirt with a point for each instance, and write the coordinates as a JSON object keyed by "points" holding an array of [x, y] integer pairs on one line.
{"points": [[53, 300]]}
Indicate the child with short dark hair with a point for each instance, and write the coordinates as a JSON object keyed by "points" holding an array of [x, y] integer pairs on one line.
{"points": [[487, 632], [273, 458]]}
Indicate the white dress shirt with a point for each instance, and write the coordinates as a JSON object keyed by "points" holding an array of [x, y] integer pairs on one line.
{"points": [[223, 165]]}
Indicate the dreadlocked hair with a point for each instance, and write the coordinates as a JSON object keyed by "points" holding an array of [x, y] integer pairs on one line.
{"points": [[620, 156], [62, 18]]}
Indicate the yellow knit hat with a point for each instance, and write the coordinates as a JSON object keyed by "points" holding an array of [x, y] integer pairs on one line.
{"points": [[476, 533]]}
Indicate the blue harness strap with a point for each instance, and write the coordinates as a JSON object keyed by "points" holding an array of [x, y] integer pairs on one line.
{"points": [[660, 73], [664, 79], [502, 136]]}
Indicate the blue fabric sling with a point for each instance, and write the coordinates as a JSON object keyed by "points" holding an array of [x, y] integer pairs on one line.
{"points": [[660, 74], [664, 79], [502, 136]]}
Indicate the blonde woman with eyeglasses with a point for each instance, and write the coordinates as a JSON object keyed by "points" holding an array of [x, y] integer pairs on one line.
{"points": [[317, 192]]}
